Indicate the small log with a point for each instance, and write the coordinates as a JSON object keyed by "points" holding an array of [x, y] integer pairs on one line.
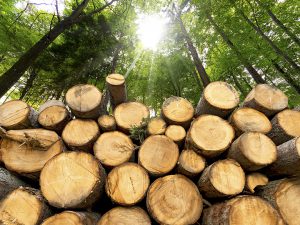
{"points": [[72, 218], [209, 136], [222, 178], [23, 206], [80, 134], [174, 199], [190, 163], [266, 99], [176, 133], [16, 114], [113, 148], [156, 126], [84, 101], [253, 151], [219, 98], [125, 216], [117, 89], [107, 123], [72, 180], [285, 126], [158, 155], [255, 179]]}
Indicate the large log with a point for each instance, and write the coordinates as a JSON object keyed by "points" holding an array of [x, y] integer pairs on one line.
{"points": [[156, 126], [158, 155], [255, 179], [23, 206], [219, 98], [107, 123], [72, 218], [284, 195], [253, 151], [113, 148], [222, 178], [285, 126], [117, 89], [174, 199], [190, 163], [72, 180], [266, 99], [209, 135], [176, 133]]}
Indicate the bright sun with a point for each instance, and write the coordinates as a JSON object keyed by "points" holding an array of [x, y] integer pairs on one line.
{"points": [[151, 29]]}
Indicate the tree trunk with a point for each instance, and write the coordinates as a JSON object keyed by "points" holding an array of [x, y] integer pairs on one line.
{"points": [[29, 83], [238, 85]]}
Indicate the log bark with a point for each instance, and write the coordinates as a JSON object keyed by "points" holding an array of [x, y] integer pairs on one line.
{"points": [[107, 123], [72, 217], [156, 126], [255, 179], [116, 85], [176, 133], [190, 163]]}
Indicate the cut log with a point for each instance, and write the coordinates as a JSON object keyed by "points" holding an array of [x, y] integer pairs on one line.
{"points": [[284, 195], [190, 163], [255, 179], [80, 134], [72, 180], [84, 101], [72, 218], [113, 148], [177, 111], [285, 126], [117, 89], [209, 135], [288, 159], [53, 115], [266, 99], [244, 210], [130, 114], [249, 120], [107, 123], [156, 126], [125, 216], [253, 151], [158, 155], [127, 184], [23, 206], [174, 199], [222, 178], [219, 98], [16, 114], [176, 133]]}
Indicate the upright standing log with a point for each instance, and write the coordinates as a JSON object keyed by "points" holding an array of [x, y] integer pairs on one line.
{"points": [[107, 123], [255, 179], [72, 218], [190, 163], [117, 89], [176, 133], [219, 98], [156, 126], [266, 99]]}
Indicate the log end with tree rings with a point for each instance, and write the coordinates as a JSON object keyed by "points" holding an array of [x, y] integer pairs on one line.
{"points": [[72, 180], [210, 135], [156, 126], [107, 123], [72, 218], [190, 163], [266, 99], [113, 148], [255, 179], [127, 184], [176, 133], [117, 89], [177, 111], [219, 98], [84, 101], [174, 199], [158, 155]]}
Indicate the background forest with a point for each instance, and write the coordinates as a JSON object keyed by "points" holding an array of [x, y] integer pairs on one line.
{"points": [[163, 47]]}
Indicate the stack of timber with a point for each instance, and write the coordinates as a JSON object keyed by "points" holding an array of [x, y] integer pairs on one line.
{"points": [[222, 162]]}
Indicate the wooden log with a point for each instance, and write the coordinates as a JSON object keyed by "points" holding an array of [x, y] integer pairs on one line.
{"points": [[23, 206], [116, 86], [156, 126], [53, 115], [255, 179], [190, 163], [209, 136], [222, 178], [16, 114], [125, 216], [246, 210], [72, 180], [266, 99], [219, 98], [249, 120], [107, 123], [72, 218], [176, 133], [113, 148], [174, 199], [285, 126], [84, 101], [177, 111], [127, 184], [284, 195], [158, 155], [80, 134], [253, 151], [130, 114]]}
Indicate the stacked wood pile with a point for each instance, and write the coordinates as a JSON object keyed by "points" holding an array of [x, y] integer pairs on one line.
{"points": [[219, 163]]}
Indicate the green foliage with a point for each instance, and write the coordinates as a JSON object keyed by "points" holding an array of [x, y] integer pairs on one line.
{"points": [[139, 133]]}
